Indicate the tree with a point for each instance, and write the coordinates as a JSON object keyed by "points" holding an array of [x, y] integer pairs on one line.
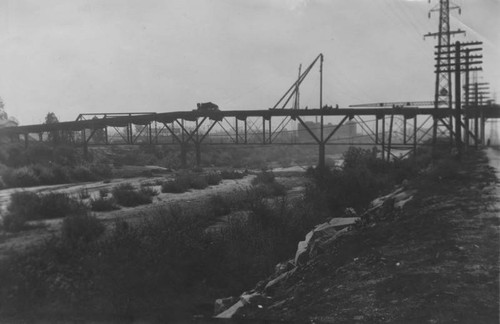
{"points": [[51, 118]]}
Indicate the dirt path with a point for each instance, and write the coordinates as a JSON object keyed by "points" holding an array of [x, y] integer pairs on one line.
{"points": [[436, 262]]}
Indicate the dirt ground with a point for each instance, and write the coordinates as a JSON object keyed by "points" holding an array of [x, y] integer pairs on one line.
{"points": [[437, 261], [41, 230]]}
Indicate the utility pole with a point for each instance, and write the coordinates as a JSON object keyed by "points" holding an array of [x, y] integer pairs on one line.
{"points": [[443, 91], [461, 61]]}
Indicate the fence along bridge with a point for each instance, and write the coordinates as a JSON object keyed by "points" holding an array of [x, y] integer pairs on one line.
{"points": [[388, 126]]}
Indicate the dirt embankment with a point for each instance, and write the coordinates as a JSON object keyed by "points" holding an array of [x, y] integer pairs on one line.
{"points": [[437, 261]]}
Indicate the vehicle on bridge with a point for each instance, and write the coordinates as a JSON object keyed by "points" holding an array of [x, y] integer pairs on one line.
{"points": [[207, 106]]}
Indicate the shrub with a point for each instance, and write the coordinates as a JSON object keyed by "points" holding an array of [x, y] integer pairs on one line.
{"points": [[127, 196], [83, 193], [103, 204], [103, 193], [82, 173], [271, 189], [232, 174], [174, 186], [265, 177], [219, 205], [213, 178], [25, 206], [13, 222], [149, 191], [198, 182], [58, 205], [61, 174], [81, 229], [101, 170], [22, 177]]}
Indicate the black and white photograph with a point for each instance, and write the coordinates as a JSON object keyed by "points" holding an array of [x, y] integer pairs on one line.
{"points": [[249, 161]]}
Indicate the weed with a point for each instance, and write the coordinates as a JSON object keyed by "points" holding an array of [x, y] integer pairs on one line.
{"points": [[126, 195], [174, 186], [149, 191], [25, 206], [83, 193], [198, 182], [232, 174], [265, 177], [81, 229], [103, 204], [213, 178], [103, 193]]}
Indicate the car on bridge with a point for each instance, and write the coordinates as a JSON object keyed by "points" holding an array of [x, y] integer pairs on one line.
{"points": [[207, 106]]}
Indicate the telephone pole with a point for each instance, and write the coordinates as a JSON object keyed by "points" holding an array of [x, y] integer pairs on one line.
{"points": [[443, 89]]}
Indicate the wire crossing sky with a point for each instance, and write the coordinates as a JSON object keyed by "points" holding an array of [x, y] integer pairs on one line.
{"points": [[70, 57]]}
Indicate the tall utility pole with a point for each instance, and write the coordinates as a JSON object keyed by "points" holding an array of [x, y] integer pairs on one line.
{"points": [[443, 90]]}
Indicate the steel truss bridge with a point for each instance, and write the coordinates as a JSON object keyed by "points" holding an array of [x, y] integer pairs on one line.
{"points": [[389, 127]]}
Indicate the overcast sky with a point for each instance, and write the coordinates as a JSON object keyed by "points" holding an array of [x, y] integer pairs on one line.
{"points": [[76, 56]]}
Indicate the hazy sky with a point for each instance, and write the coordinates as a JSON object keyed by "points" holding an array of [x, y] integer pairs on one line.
{"points": [[79, 56]]}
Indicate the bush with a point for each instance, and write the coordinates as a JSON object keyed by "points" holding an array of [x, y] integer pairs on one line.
{"points": [[58, 205], [103, 193], [25, 206], [198, 182], [22, 177], [213, 178], [81, 229], [103, 204], [232, 174], [127, 196], [219, 205], [271, 189], [149, 191], [265, 177], [82, 173], [174, 186], [13, 222]]}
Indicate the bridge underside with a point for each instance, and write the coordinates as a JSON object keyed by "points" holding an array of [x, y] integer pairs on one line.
{"points": [[389, 129]]}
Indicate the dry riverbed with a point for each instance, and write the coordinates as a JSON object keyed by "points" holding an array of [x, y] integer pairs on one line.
{"points": [[292, 178]]}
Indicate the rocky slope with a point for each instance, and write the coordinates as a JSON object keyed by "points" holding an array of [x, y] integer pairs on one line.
{"points": [[428, 253]]}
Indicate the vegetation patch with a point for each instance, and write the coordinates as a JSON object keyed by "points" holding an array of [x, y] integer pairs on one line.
{"points": [[232, 174], [126, 195], [103, 204], [81, 229], [25, 206]]}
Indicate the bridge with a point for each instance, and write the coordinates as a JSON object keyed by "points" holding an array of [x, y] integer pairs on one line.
{"points": [[398, 127]]}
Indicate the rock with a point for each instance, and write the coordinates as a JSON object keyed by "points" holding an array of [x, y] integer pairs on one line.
{"points": [[301, 255], [350, 212], [342, 222], [245, 299], [283, 267], [228, 313], [222, 304], [271, 285], [321, 244], [321, 232], [401, 203]]}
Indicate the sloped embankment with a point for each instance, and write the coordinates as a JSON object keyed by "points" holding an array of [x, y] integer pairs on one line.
{"points": [[435, 260]]}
